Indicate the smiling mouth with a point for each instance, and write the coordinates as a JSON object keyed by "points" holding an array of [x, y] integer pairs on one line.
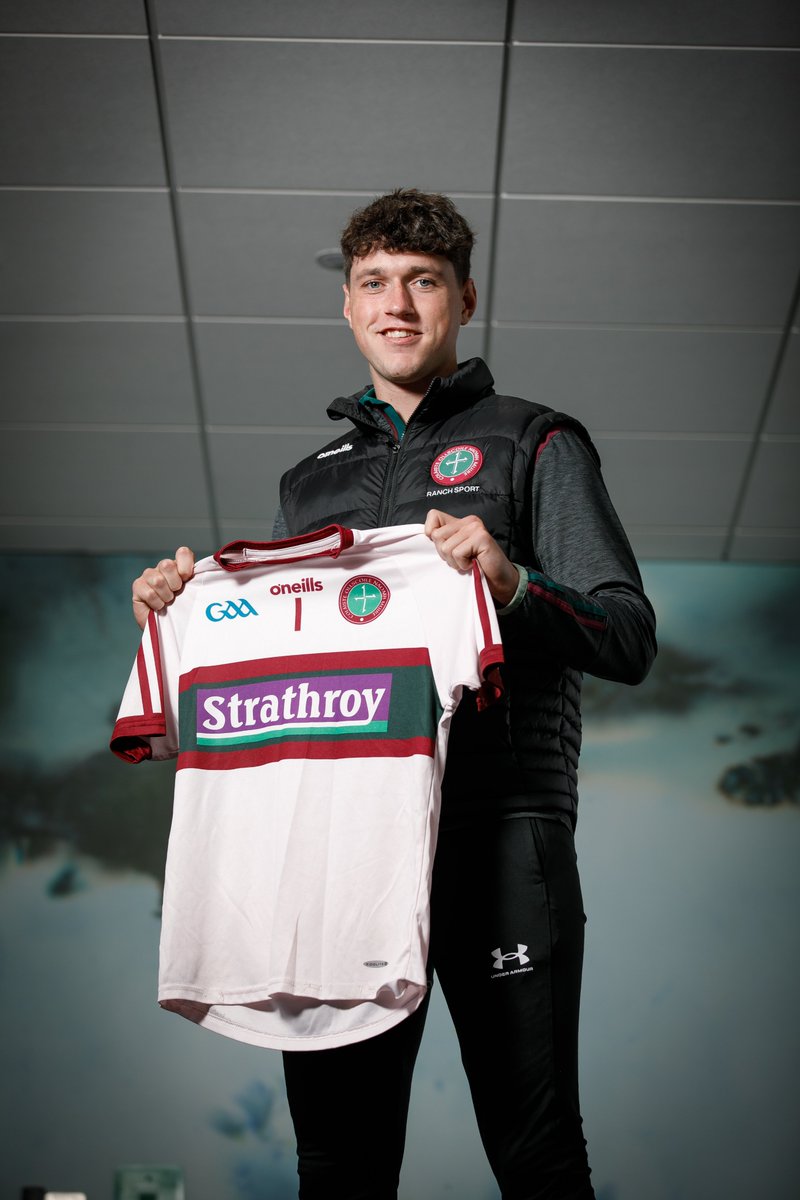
{"points": [[399, 335]]}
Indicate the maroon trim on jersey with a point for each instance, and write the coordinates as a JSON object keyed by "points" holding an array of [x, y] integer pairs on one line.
{"points": [[144, 683], [128, 739], [314, 748], [300, 664], [236, 549], [155, 642], [492, 653]]}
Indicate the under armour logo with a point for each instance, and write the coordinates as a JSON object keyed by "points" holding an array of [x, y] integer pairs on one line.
{"points": [[230, 610], [519, 954]]}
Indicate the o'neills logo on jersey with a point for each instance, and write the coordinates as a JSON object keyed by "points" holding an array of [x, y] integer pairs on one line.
{"points": [[456, 465], [248, 714], [363, 598], [304, 585]]}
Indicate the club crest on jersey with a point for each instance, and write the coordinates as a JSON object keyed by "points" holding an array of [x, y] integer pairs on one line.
{"points": [[363, 598], [456, 465]]}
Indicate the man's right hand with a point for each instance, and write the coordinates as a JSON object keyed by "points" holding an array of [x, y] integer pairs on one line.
{"points": [[158, 586]]}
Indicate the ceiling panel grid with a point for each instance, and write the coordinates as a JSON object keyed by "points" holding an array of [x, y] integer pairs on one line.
{"points": [[631, 176]]}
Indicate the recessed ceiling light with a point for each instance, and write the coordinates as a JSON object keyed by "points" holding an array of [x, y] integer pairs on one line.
{"points": [[331, 260]]}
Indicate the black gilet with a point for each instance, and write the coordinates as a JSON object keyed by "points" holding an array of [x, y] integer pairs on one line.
{"points": [[522, 753]]}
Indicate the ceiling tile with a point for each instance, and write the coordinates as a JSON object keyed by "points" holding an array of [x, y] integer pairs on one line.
{"points": [[766, 546], [87, 252], [242, 114], [734, 23], [454, 19], [83, 111], [79, 16], [676, 544], [773, 493], [584, 120], [784, 412], [671, 480], [155, 539], [646, 263], [253, 255], [640, 380], [284, 374], [96, 371], [85, 474], [247, 469]]}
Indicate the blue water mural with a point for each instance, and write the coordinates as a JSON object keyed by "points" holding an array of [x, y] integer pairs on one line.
{"points": [[688, 840]]}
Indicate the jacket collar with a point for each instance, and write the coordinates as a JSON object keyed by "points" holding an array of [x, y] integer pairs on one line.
{"points": [[471, 381]]}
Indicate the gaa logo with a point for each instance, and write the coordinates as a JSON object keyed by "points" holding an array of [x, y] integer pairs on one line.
{"points": [[363, 598], [230, 610], [456, 464]]}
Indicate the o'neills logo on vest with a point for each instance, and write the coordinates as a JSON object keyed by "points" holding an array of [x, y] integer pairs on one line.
{"points": [[317, 706], [456, 464]]}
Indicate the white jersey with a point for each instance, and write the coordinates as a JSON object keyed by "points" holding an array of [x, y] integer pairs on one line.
{"points": [[306, 688]]}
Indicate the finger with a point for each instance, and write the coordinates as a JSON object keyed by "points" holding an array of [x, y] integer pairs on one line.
{"points": [[165, 578], [184, 558], [435, 520]]}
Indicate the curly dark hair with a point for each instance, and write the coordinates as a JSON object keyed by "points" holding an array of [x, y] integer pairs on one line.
{"points": [[407, 220]]}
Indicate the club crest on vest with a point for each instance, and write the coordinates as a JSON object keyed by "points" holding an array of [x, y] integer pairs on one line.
{"points": [[456, 464]]}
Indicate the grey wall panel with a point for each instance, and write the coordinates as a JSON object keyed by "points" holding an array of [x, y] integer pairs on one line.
{"points": [[451, 19], [156, 539], [773, 495], [85, 474], [78, 16], [672, 481], [701, 22], [247, 470], [253, 255], [87, 252], [640, 379], [79, 111], [276, 374], [255, 374], [601, 121], [640, 263], [96, 371], [784, 413], [243, 114]]}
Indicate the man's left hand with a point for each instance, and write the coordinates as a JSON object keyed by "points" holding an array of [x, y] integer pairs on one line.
{"points": [[461, 539]]}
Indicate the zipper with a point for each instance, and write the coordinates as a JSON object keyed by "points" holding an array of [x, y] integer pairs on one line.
{"points": [[387, 494]]}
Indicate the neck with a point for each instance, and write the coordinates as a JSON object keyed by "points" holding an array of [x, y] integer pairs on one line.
{"points": [[405, 399]]}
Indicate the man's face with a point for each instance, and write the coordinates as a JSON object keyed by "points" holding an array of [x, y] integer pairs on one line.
{"points": [[405, 311]]}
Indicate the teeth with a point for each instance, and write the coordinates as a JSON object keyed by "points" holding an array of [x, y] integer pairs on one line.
{"points": [[398, 333]]}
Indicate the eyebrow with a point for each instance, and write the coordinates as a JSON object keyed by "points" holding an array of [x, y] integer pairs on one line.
{"points": [[414, 269]]}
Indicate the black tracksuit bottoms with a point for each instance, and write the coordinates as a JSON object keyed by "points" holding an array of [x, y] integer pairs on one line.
{"points": [[507, 948]]}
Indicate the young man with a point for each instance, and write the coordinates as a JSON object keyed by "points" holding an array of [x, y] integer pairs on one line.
{"points": [[518, 487]]}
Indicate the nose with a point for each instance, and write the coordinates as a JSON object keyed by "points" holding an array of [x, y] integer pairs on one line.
{"points": [[397, 299]]}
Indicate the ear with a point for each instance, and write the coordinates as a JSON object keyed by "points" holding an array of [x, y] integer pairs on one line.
{"points": [[469, 302], [346, 309]]}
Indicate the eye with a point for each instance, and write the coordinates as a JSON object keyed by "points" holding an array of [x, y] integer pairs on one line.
{"points": [[425, 284], [372, 285]]}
